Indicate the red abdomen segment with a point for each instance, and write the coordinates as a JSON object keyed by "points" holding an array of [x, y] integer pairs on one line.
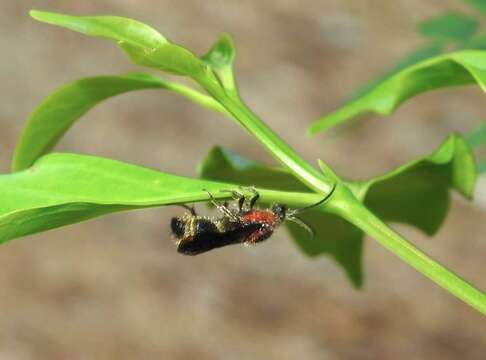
{"points": [[265, 218], [260, 234], [260, 217]]}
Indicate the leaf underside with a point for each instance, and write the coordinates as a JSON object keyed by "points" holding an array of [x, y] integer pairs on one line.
{"points": [[143, 44], [416, 194], [61, 189], [454, 69], [62, 108]]}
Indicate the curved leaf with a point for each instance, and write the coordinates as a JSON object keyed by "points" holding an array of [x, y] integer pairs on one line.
{"points": [[61, 189], [61, 109], [400, 195], [419, 54], [221, 57], [109, 27], [174, 58], [459, 68], [397, 196], [142, 43]]}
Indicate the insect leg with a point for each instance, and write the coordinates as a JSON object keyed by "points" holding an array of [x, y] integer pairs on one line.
{"points": [[237, 196], [191, 209], [254, 198], [220, 207]]}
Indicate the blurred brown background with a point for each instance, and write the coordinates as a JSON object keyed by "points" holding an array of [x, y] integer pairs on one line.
{"points": [[114, 288]]}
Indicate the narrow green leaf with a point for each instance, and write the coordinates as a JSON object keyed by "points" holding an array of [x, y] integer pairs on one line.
{"points": [[144, 45], [451, 26], [459, 68], [110, 27], [419, 54], [61, 189], [174, 58], [60, 110], [220, 58], [398, 196], [478, 4], [170, 58]]}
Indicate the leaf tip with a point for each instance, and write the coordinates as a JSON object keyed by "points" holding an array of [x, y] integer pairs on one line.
{"points": [[44, 16], [320, 125], [356, 280], [36, 14], [313, 128]]}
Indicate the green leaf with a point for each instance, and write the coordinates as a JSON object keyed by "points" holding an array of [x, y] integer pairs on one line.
{"points": [[478, 4], [451, 26], [335, 237], [398, 196], [223, 165], [454, 69], [61, 189], [144, 45], [220, 58], [60, 110], [174, 58], [343, 203], [414, 57]]}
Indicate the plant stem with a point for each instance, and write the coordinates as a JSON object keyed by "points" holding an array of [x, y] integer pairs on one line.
{"points": [[277, 147], [347, 206]]}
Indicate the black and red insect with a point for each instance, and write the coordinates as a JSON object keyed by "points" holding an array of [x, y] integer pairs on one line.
{"points": [[241, 223]]}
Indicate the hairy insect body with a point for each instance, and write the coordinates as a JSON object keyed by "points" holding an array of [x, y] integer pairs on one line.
{"points": [[238, 224], [268, 221], [196, 234]]}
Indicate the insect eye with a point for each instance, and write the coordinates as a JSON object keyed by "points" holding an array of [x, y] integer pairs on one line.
{"points": [[178, 227], [279, 210]]}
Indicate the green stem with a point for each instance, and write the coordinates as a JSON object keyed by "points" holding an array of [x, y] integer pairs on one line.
{"points": [[346, 205], [199, 98], [279, 148]]}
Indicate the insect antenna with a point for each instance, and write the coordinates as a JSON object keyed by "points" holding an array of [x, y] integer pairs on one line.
{"points": [[298, 211], [302, 224]]}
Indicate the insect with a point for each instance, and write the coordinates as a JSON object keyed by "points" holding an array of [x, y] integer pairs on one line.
{"points": [[243, 224]]}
